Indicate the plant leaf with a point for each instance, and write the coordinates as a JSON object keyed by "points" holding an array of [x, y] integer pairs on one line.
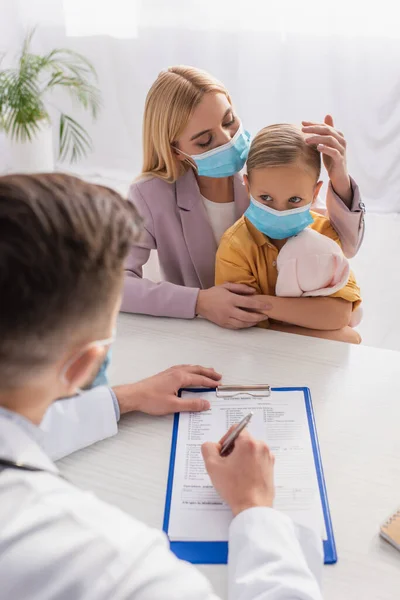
{"points": [[22, 91], [73, 71], [21, 105], [72, 60], [74, 140]]}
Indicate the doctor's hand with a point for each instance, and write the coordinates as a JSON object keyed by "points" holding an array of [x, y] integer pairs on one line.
{"points": [[228, 306], [157, 395], [332, 145], [244, 478]]}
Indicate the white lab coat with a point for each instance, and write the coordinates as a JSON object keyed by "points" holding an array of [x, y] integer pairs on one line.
{"points": [[57, 541], [77, 422]]}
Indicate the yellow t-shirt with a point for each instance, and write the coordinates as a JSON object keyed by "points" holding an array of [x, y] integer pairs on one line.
{"points": [[245, 255]]}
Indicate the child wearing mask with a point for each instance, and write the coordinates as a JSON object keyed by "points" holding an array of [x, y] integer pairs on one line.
{"points": [[283, 249]]}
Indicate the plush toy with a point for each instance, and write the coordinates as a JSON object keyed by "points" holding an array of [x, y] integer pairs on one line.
{"points": [[311, 264]]}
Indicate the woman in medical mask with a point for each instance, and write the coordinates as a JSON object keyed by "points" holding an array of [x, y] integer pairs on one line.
{"points": [[191, 190]]}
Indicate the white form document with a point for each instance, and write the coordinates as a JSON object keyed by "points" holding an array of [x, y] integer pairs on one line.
{"points": [[197, 513]]}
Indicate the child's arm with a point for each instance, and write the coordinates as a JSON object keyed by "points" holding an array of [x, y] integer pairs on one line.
{"points": [[323, 313], [347, 334]]}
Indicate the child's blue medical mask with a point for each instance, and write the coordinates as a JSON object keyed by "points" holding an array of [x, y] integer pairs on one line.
{"points": [[225, 160], [278, 225]]}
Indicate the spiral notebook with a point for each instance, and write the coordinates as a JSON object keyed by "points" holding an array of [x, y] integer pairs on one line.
{"points": [[390, 530], [196, 519]]}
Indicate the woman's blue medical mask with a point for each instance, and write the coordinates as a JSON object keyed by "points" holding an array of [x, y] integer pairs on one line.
{"points": [[278, 225], [225, 160]]}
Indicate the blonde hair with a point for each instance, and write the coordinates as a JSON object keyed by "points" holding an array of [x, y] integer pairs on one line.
{"points": [[279, 145], [169, 105]]}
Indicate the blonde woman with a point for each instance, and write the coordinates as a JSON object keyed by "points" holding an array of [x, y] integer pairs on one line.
{"points": [[190, 191]]}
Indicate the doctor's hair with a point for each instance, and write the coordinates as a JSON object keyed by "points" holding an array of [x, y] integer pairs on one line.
{"points": [[63, 243], [170, 103], [281, 145]]}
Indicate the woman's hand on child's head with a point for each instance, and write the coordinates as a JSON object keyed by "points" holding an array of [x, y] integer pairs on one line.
{"points": [[332, 145]]}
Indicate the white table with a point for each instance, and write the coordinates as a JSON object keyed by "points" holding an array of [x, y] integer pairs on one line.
{"points": [[356, 397]]}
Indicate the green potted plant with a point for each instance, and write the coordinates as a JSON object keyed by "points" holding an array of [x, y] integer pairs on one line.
{"points": [[25, 92]]}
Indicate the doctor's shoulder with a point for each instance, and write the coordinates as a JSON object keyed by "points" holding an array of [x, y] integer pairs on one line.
{"points": [[84, 543]]}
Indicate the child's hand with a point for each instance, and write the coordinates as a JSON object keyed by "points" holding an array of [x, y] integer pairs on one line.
{"points": [[332, 145]]}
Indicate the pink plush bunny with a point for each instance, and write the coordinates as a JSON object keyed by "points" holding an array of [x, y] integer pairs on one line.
{"points": [[311, 264]]}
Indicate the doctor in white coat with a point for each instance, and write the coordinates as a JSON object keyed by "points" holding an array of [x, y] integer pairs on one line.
{"points": [[62, 247]]}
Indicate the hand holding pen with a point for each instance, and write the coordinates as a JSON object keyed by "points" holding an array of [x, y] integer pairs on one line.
{"points": [[241, 469], [228, 441]]}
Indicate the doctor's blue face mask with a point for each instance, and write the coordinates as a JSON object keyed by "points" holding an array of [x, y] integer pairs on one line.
{"points": [[226, 160], [100, 377], [278, 224]]}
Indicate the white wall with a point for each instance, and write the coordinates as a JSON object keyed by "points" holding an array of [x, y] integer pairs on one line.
{"points": [[298, 66]]}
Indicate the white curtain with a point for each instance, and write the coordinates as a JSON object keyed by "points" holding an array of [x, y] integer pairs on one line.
{"points": [[281, 61]]}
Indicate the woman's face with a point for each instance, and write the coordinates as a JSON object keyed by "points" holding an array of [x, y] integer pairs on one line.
{"points": [[212, 124]]}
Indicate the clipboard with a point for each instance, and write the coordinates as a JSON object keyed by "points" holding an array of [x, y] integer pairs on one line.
{"points": [[217, 552]]}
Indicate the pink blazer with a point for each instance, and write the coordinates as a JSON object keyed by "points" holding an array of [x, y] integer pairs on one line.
{"points": [[176, 225]]}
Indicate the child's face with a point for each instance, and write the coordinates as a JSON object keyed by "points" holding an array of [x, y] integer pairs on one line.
{"points": [[283, 188]]}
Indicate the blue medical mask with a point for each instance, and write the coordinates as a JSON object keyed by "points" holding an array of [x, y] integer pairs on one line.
{"points": [[225, 160], [278, 225], [101, 377], [102, 368]]}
